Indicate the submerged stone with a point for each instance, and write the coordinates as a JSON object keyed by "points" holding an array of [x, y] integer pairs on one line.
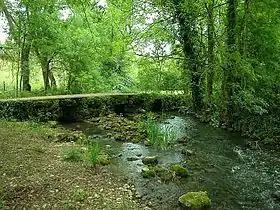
{"points": [[132, 158], [180, 170], [150, 160], [195, 200]]}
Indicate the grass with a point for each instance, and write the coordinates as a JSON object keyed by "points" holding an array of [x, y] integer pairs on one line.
{"points": [[128, 205], [32, 179], [93, 154], [79, 195], [73, 154], [159, 138]]}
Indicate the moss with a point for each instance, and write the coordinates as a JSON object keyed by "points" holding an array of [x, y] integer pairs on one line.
{"points": [[195, 200], [180, 170], [150, 160], [165, 175], [70, 110], [148, 173], [162, 173], [104, 159]]}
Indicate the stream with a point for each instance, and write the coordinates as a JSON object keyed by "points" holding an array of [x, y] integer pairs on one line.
{"points": [[234, 176]]}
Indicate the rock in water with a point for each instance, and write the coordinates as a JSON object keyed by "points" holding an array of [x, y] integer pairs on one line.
{"points": [[132, 158], [180, 170], [148, 173], [187, 152], [150, 160], [195, 200]]}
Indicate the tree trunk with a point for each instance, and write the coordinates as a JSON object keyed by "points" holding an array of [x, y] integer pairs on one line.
{"points": [[188, 33], [245, 29], [45, 65], [25, 71], [52, 79], [228, 80], [211, 45]]}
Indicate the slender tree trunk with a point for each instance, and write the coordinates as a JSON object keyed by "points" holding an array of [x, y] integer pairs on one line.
{"points": [[45, 70], [52, 79], [245, 29], [25, 71], [211, 45], [228, 81], [188, 33]]}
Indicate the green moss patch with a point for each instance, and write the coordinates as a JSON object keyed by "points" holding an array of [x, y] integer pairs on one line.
{"points": [[195, 200]]}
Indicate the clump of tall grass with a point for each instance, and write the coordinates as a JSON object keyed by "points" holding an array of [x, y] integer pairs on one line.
{"points": [[93, 154], [160, 138]]}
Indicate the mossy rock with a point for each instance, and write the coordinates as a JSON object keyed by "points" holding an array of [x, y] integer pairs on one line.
{"points": [[150, 160], [165, 175], [180, 170], [104, 159], [162, 173], [195, 200], [148, 173]]}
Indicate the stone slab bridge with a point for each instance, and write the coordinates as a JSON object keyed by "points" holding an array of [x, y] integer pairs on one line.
{"points": [[71, 108]]}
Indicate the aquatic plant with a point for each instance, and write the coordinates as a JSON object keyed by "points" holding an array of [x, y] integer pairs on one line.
{"points": [[161, 138]]}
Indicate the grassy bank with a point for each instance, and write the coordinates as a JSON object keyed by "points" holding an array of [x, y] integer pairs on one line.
{"points": [[34, 174]]}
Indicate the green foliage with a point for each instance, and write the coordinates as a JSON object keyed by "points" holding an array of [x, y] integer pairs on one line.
{"points": [[73, 154], [160, 138], [93, 154], [130, 46], [79, 195]]}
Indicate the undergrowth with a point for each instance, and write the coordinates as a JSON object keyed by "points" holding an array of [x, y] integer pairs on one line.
{"points": [[73, 154], [90, 154]]}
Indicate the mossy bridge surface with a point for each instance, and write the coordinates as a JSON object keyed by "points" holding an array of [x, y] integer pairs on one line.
{"points": [[70, 108]]}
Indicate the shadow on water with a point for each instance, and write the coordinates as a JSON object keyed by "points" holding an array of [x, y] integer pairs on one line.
{"points": [[235, 177]]}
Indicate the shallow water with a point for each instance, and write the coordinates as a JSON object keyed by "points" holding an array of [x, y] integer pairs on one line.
{"points": [[235, 177]]}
